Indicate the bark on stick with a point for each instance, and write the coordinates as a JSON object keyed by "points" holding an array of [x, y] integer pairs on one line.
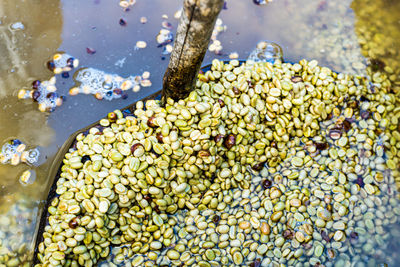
{"points": [[191, 43]]}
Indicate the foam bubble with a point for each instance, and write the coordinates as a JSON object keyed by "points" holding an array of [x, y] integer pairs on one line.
{"points": [[14, 152], [266, 52], [44, 93], [103, 85]]}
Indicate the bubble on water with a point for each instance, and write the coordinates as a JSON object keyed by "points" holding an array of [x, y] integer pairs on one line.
{"points": [[17, 26], [266, 52], [103, 85], [62, 63], [14, 152]]}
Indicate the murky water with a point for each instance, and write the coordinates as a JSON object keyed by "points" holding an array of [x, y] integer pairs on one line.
{"points": [[344, 35]]}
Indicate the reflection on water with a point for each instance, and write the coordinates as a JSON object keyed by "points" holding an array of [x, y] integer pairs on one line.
{"points": [[344, 35]]}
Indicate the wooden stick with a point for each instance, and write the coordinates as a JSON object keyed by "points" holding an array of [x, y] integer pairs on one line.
{"points": [[192, 38]]}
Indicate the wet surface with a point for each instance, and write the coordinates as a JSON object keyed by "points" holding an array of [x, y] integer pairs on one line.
{"points": [[103, 36]]}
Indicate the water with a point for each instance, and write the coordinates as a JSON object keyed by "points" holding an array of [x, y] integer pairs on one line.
{"points": [[344, 35]]}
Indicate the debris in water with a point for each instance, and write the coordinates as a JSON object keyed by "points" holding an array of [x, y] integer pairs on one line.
{"points": [[167, 49], [178, 14], [122, 22], [143, 20], [164, 16], [261, 2], [145, 82], [164, 37], [125, 4], [61, 63], [146, 75], [266, 52], [27, 177], [120, 63], [90, 50], [104, 85], [140, 44], [216, 45], [233, 55], [14, 152], [44, 93], [166, 25]]}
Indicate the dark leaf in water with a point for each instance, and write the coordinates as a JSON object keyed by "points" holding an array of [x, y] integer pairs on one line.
{"points": [[90, 50], [65, 75], [225, 5], [124, 96]]}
